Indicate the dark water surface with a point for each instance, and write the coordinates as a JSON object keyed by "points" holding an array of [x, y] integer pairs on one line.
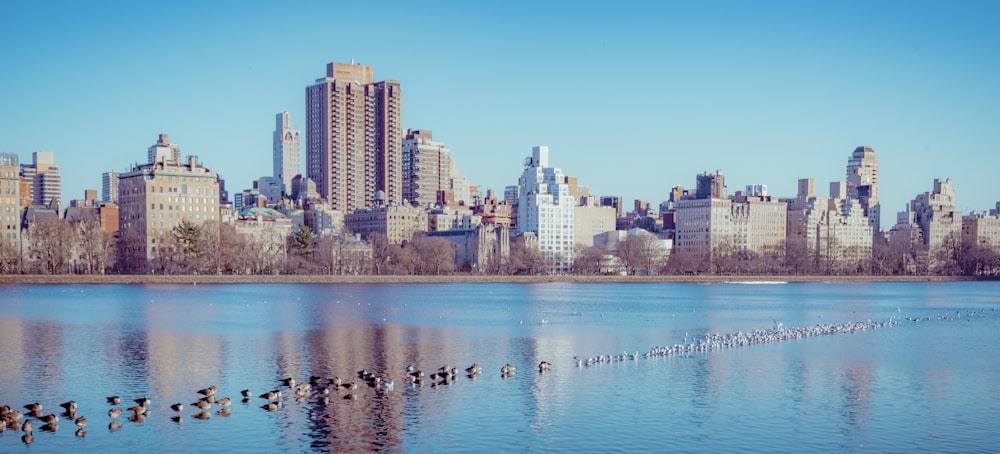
{"points": [[929, 386]]}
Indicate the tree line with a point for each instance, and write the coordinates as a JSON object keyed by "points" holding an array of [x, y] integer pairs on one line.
{"points": [[55, 246]]}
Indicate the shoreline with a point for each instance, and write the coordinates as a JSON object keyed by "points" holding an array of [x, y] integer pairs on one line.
{"points": [[324, 279]]}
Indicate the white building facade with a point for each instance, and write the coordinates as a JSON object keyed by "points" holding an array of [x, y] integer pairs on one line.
{"points": [[832, 230], [545, 208]]}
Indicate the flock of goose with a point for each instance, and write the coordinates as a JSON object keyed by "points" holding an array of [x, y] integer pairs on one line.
{"points": [[324, 389], [315, 387]]}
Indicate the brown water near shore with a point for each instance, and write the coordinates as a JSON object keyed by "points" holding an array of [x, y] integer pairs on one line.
{"points": [[323, 279]]}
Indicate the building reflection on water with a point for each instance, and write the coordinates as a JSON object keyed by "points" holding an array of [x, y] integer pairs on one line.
{"points": [[167, 343]]}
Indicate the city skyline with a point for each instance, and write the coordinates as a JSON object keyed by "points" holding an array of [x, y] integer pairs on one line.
{"points": [[632, 104]]}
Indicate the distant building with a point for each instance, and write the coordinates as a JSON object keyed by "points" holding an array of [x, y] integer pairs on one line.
{"points": [[982, 229], [109, 218], [579, 193], [349, 255], [758, 224], [271, 188], [446, 218], [89, 199], [545, 209], [163, 150], [286, 152], [862, 184], [480, 248], [10, 207], [756, 190], [426, 168], [317, 215], [354, 137], [752, 223], [930, 220], [109, 187], [832, 230], [512, 195], [155, 197], [614, 202], [266, 232], [398, 223], [711, 186], [43, 177], [591, 219], [462, 190], [492, 211]]}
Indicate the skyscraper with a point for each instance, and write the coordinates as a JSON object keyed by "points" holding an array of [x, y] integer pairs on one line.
{"points": [[929, 223], [862, 184], [545, 208], [287, 160], [354, 138]]}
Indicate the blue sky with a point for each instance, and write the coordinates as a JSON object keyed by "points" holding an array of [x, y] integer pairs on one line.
{"points": [[632, 98]]}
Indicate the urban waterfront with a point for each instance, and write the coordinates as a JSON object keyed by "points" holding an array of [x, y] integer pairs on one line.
{"points": [[925, 384]]}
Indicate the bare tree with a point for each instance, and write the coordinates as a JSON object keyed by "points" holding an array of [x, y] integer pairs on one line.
{"points": [[381, 252], [96, 249], [436, 255], [798, 259], [403, 259], [947, 257], [525, 260], [652, 254], [10, 258], [51, 242], [587, 260], [684, 262], [208, 258], [131, 259], [628, 251]]}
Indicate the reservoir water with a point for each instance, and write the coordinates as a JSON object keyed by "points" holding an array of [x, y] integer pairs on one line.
{"points": [[928, 381]]}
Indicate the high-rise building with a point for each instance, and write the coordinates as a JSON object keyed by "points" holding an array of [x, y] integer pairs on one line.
{"points": [[832, 231], [426, 168], [354, 138], [109, 187], [10, 207], [163, 150], [153, 198], [862, 184], [43, 179], [930, 220], [287, 157], [545, 209]]}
